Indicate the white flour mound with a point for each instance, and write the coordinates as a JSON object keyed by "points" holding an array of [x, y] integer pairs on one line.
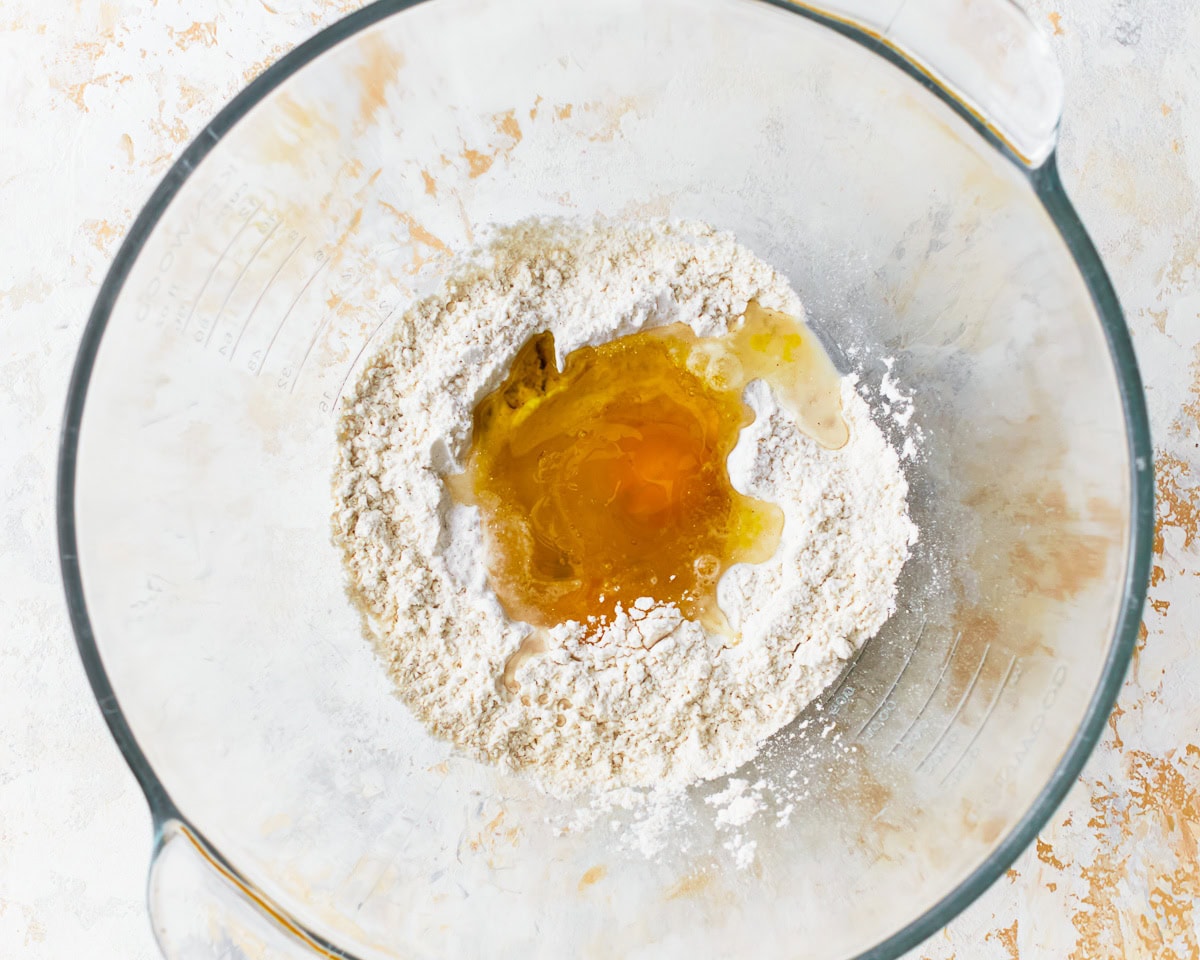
{"points": [[648, 698]]}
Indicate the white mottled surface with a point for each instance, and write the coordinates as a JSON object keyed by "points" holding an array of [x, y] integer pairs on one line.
{"points": [[97, 100]]}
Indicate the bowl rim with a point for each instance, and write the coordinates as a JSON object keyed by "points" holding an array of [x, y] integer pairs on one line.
{"points": [[1046, 184]]}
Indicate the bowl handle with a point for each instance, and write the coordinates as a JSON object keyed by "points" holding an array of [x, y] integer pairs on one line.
{"points": [[201, 911], [986, 55]]}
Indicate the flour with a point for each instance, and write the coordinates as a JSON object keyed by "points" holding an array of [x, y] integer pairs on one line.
{"points": [[645, 698], [738, 802]]}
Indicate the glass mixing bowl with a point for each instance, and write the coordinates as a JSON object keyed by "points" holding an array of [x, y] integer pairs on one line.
{"points": [[895, 160]]}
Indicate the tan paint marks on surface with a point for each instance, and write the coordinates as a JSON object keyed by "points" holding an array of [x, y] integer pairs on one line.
{"points": [[1055, 19], [609, 115], [506, 123], [102, 234], [952, 955], [690, 885], [332, 9], [976, 625], [1139, 647], [189, 95], [1146, 825], [1179, 271], [1045, 853], [255, 69], [508, 129], [976, 628], [1191, 406], [1117, 713], [1007, 938], [612, 115], [380, 63], [430, 183], [419, 237], [296, 132], [1105, 513], [75, 93], [477, 163], [96, 45], [1061, 561], [174, 130], [657, 206], [533, 111], [493, 834], [465, 217], [31, 291], [1178, 498], [351, 227], [1171, 793], [867, 799], [592, 876], [991, 828], [1036, 547], [416, 232], [1158, 318], [126, 142], [108, 16], [494, 824], [204, 34], [342, 186], [1065, 546], [1011, 874]]}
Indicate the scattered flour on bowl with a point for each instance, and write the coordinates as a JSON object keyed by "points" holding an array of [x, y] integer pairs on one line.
{"points": [[646, 699]]}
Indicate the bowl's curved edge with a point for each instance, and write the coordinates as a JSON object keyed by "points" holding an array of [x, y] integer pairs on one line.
{"points": [[1048, 186], [1044, 180], [162, 807]]}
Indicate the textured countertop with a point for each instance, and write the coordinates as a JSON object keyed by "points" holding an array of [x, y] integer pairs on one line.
{"points": [[98, 98]]}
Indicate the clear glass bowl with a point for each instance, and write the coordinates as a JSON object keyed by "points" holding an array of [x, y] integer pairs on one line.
{"points": [[896, 161]]}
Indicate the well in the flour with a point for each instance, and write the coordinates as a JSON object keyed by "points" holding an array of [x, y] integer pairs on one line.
{"points": [[605, 483], [636, 686]]}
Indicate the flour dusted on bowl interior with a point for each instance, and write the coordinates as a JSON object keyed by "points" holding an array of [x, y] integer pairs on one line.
{"points": [[640, 694]]}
